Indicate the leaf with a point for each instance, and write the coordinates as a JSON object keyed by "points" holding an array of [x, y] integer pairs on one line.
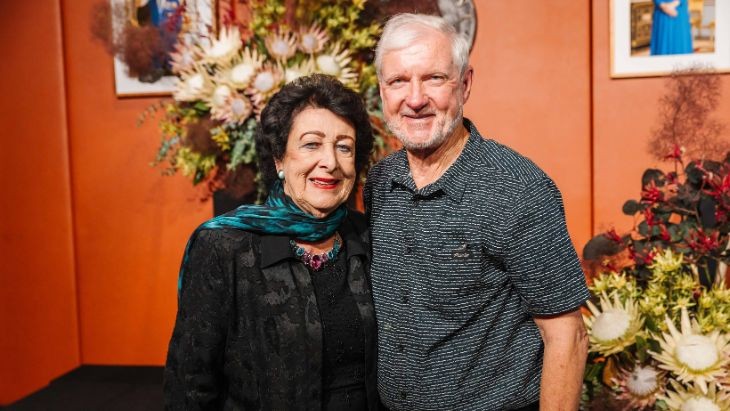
{"points": [[641, 347]]}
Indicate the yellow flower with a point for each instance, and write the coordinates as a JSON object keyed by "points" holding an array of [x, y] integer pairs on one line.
{"points": [[692, 356], [613, 327], [667, 261]]}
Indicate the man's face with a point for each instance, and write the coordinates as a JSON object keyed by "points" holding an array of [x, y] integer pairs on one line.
{"points": [[423, 94]]}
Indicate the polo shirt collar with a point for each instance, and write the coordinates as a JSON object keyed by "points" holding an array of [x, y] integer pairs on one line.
{"points": [[276, 248], [453, 182]]}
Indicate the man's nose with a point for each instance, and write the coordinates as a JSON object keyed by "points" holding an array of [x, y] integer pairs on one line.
{"points": [[416, 98]]}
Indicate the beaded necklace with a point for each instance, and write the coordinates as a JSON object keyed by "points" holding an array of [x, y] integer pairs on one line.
{"points": [[316, 261]]}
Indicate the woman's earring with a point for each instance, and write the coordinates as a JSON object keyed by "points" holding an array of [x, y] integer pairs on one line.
{"points": [[280, 174]]}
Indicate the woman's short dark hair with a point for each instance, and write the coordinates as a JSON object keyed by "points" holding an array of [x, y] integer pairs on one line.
{"points": [[319, 91]]}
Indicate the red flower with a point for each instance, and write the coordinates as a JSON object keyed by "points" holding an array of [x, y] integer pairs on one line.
{"points": [[613, 236], [721, 215], [702, 243], [651, 194], [664, 233], [721, 189], [649, 217], [675, 154]]}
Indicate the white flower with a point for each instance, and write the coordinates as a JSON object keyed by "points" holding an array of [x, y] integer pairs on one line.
{"points": [[223, 49], [692, 356], [335, 63], [693, 398], [312, 39], [614, 326], [281, 45], [640, 386], [191, 86], [292, 73]]}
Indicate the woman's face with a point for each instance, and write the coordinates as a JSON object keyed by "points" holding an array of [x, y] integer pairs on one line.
{"points": [[319, 161]]}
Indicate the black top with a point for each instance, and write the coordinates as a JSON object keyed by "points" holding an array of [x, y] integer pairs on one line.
{"points": [[343, 362], [459, 269], [248, 333]]}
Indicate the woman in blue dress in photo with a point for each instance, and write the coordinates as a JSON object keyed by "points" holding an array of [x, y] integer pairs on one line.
{"points": [[671, 32]]}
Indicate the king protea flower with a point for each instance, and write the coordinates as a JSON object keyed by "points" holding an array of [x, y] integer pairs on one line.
{"points": [[696, 399], [613, 327], [229, 106], [312, 39], [335, 63], [241, 71], [267, 82], [304, 68], [192, 85], [691, 356], [639, 387], [225, 47], [183, 57], [281, 45]]}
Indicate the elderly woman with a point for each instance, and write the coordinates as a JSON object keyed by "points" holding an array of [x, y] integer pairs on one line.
{"points": [[274, 308]]}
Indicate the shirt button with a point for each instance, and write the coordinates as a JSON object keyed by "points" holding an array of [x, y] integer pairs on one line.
{"points": [[405, 299], [400, 348], [408, 249], [403, 395]]}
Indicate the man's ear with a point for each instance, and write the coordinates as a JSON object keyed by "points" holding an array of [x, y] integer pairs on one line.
{"points": [[466, 82]]}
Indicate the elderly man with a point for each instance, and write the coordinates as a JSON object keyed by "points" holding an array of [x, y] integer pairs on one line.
{"points": [[476, 284]]}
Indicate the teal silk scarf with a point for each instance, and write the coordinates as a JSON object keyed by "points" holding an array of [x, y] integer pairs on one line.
{"points": [[277, 216]]}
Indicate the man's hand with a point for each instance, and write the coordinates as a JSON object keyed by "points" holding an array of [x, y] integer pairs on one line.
{"points": [[566, 348]]}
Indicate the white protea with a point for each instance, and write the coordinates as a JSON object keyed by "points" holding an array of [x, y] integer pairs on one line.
{"points": [[281, 45], [694, 398], [183, 57], [232, 108], [192, 85], [242, 69], [312, 39], [304, 68], [692, 356], [223, 49], [614, 326], [335, 62], [266, 82], [639, 387]]}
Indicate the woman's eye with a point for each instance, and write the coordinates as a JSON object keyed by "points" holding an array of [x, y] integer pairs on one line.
{"points": [[343, 148], [310, 146]]}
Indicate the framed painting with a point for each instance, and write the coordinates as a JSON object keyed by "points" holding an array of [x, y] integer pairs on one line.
{"points": [[657, 37], [148, 31]]}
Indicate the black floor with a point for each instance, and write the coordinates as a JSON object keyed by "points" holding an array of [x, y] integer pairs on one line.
{"points": [[91, 388]]}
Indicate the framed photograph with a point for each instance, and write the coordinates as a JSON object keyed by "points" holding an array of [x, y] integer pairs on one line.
{"points": [[148, 31], [656, 37]]}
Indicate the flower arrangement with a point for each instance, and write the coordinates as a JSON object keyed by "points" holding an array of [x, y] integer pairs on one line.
{"points": [[659, 327], [225, 82]]}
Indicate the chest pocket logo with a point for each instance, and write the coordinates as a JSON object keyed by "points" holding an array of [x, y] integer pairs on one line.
{"points": [[461, 252]]}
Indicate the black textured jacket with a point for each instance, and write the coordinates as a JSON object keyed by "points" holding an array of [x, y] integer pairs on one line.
{"points": [[248, 334]]}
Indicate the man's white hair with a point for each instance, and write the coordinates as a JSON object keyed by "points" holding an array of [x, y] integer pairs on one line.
{"points": [[403, 30]]}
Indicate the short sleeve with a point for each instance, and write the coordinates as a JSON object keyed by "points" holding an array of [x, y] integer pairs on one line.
{"points": [[540, 258]]}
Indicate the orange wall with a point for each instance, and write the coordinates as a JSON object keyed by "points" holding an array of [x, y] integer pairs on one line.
{"points": [[532, 91], [119, 227], [625, 112], [38, 315], [131, 222]]}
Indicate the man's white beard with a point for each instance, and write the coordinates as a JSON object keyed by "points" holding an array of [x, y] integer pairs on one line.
{"points": [[437, 139]]}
